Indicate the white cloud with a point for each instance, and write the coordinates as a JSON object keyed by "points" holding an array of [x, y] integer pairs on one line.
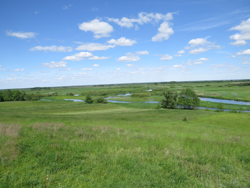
{"points": [[86, 69], [79, 56], [179, 53], [82, 73], [1, 65], [98, 58], [65, 7], [142, 52], [166, 57], [178, 66], [198, 41], [245, 52], [96, 65], [94, 47], [118, 68], [244, 29], [122, 42], [52, 48], [163, 32], [22, 35], [198, 50], [246, 63], [195, 63], [142, 18], [99, 28], [53, 64], [130, 65], [2, 69], [18, 70], [129, 57], [239, 43]]}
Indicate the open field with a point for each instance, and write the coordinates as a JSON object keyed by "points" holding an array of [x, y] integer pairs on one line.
{"points": [[61, 143]]}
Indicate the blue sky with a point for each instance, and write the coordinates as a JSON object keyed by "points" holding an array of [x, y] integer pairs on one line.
{"points": [[60, 42]]}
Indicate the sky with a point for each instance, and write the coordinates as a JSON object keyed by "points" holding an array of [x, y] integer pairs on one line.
{"points": [[63, 43]]}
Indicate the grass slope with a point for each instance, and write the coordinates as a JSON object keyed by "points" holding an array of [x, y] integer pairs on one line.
{"points": [[67, 144]]}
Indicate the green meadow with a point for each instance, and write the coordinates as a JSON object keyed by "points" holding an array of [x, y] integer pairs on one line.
{"points": [[60, 143]]}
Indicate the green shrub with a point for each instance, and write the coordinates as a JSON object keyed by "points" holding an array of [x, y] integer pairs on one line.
{"points": [[88, 99], [188, 99], [170, 100], [101, 100], [220, 107]]}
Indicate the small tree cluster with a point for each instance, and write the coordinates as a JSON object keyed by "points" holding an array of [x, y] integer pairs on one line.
{"points": [[186, 99], [88, 99], [101, 100], [170, 100], [16, 95]]}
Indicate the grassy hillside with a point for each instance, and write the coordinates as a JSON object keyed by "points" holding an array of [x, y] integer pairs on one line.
{"points": [[65, 144]]}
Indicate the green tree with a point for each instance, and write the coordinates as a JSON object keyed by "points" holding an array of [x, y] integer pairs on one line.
{"points": [[1, 96], [170, 100], [17, 95], [101, 100], [88, 99], [188, 99], [7, 95]]}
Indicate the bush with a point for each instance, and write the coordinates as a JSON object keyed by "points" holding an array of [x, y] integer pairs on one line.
{"points": [[170, 100], [220, 107], [101, 100], [69, 94], [188, 99], [88, 99]]}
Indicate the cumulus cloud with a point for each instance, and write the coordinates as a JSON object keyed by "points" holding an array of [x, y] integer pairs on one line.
{"points": [[79, 56], [129, 57], [22, 35], [244, 34], [166, 57], [198, 50], [179, 66], [130, 65], [141, 19], [53, 64], [179, 53], [2, 69], [118, 68], [86, 69], [52, 48], [96, 65], [98, 58], [163, 32], [19, 70], [206, 45], [99, 28], [142, 52], [94, 47], [122, 42], [246, 63], [245, 52], [239, 43], [197, 61], [198, 41]]}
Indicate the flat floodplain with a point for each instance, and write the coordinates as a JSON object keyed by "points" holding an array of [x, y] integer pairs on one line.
{"points": [[61, 143]]}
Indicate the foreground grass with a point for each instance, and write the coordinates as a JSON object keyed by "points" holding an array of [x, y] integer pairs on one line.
{"points": [[66, 144]]}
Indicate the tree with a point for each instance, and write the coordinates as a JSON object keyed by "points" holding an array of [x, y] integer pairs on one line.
{"points": [[7, 95], [101, 100], [188, 99], [1, 96], [88, 99], [170, 99]]}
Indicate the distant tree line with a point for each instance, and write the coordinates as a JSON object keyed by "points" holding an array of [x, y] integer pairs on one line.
{"points": [[16, 95]]}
